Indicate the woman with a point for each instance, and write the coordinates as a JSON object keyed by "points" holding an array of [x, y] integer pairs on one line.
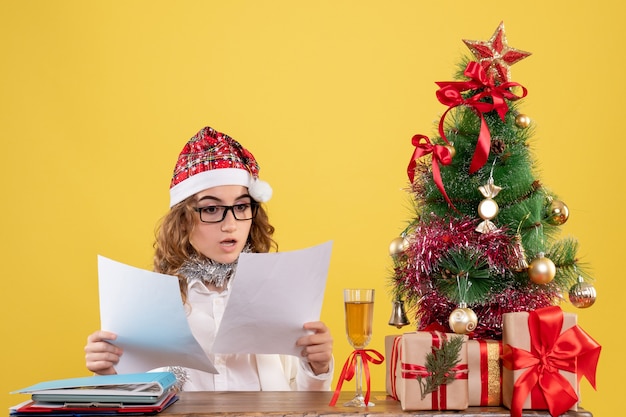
{"points": [[215, 214]]}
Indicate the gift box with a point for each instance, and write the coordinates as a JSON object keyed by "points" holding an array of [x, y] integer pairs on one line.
{"points": [[485, 372], [413, 381], [545, 354], [389, 369]]}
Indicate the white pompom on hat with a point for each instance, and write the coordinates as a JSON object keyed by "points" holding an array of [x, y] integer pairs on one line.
{"points": [[211, 159]]}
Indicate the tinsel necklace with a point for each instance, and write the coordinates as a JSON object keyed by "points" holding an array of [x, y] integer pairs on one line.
{"points": [[200, 268], [206, 270]]}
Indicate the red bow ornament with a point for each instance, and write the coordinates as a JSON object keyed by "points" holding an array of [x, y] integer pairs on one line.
{"points": [[551, 351], [349, 370], [450, 94], [440, 155]]}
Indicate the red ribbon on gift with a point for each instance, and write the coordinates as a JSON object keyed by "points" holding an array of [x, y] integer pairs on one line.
{"points": [[412, 371], [573, 351], [440, 397], [349, 370], [440, 155], [450, 94], [395, 354], [484, 372]]}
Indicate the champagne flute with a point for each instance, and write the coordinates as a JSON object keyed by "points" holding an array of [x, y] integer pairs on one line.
{"points": [[359, 307]]}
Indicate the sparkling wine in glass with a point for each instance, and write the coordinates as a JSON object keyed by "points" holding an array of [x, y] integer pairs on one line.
{"points": [[359, 306]]}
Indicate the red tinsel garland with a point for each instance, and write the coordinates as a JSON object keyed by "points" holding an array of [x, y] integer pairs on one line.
{"points": [[431, 240]]}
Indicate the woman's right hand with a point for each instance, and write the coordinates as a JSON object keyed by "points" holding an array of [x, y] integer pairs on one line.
{"points": [[100, 354]]}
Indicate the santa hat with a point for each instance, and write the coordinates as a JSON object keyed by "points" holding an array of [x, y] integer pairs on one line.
{"points": [[211, 159]]}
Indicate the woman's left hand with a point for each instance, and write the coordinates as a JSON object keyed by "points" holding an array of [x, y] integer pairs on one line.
{"points": [[317, 347]]}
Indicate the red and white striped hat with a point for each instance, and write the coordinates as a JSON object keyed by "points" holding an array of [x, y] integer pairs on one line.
{"points": [[211, 159]]}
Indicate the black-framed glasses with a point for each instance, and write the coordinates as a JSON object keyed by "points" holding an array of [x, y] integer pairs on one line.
{"points": [[216, 214]]}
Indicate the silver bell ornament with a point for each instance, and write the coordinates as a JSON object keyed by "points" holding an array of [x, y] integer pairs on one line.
{"points": [[398, 315]]}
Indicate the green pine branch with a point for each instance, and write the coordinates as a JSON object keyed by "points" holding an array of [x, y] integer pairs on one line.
{"points": [[439, 364], [467, 264]]}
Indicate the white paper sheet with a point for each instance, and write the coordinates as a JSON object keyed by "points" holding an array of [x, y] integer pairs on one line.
{"points": [[145, 310], [272, 296]]}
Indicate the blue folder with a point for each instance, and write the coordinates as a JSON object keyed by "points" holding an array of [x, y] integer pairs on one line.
{"points": [[138, 388]]}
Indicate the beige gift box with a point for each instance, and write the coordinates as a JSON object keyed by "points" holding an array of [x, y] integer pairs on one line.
{"points": [[515, 332], [411, 349], [484, 372]]}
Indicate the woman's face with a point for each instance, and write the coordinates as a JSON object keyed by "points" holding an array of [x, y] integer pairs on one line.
{"points": [[222, 242]]}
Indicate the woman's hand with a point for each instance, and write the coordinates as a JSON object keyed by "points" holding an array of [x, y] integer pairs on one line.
{"points": [[100, 354], [317, 347]]}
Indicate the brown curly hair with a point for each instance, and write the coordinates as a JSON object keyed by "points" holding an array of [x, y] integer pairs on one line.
{"points": [[172, 246]]}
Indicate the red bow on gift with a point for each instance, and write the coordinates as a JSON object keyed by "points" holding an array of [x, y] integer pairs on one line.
{"points": [[573, 351], [349, 369], [441, 155], [450, 94]]}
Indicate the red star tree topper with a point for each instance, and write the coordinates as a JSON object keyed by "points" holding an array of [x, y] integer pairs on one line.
{"points": [[495, 55]]}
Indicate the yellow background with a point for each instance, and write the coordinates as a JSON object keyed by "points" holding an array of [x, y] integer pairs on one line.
{"points": [[98, 98]]}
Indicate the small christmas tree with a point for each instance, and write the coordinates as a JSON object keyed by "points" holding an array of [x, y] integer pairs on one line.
{"points": [[483, 239]]}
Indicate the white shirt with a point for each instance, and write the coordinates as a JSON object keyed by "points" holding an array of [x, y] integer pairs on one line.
{"points": [[241, 372]]}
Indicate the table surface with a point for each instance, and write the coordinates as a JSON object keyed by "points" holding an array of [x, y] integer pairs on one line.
{"points": [[314, 403]]}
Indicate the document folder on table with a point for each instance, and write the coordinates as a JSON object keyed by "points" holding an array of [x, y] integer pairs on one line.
{"points": [[43, 409], [138, 388]]}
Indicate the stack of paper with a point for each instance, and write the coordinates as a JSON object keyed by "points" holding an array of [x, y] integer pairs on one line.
{"points": [[127, 394], [272, 296]]}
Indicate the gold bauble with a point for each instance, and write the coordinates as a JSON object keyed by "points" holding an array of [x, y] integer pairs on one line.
{"points": [[582, 295], [541, 270], [522, 121], [451, 149], [559, 213], [463, 320], [397, 246]]}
